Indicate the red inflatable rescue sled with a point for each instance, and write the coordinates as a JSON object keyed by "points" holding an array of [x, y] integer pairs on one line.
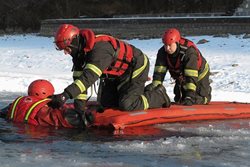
{"points": [[176, 113]]}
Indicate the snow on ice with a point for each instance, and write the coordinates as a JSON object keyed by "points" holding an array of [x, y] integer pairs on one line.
{"points": [[25, 58]]}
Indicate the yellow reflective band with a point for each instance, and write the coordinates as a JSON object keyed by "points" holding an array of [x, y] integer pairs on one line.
{"points": [[14, 107], [77, 73], [160, 69], [81, 97], [80, 85], [156, 82], [99, 35], [190, 86], [191, 73], [145, 102], [204, 72], [95, 69], [135, 73], [205, 100], [31, 109], [139, 70]]}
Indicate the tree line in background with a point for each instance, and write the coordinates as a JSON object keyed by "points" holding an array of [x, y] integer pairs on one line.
{"points": [[26, 15]]}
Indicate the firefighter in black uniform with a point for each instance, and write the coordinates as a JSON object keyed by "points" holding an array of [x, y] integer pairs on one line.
{"points": [[186, 66], [122, 68]]}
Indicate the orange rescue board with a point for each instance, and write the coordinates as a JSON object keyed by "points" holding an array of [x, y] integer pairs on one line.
{"points": [[176, 113]]}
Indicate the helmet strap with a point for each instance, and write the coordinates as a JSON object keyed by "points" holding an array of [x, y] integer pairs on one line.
{"points": [[74, 46], [77, 45], [82, 44]]}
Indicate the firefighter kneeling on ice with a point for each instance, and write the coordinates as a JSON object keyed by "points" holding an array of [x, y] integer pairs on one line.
{"points": [[186, 66], [122, 69], [33, 109]]}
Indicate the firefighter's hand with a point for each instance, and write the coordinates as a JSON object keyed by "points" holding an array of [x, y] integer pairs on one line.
{"points": [[87, 117], [58, 100], [188, 101], [80, 108], [149, 87], [80, 105]]}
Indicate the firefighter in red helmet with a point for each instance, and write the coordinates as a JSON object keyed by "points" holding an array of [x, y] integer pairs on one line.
{"points": [[33, 109], [121, 67], [186, 66]]}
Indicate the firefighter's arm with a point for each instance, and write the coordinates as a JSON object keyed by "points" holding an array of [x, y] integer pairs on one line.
{"points": [[160, 71], [75, 90], [97, 60], [80, 100], [160, 68], [48, 116]]}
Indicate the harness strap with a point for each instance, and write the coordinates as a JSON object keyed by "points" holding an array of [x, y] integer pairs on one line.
{"points": [[122, 56], [184, 45]]}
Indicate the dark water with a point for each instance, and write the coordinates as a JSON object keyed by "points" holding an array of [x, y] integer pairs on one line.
{"points": [[208, 143]]}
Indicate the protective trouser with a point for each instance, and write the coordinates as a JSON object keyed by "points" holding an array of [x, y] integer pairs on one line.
{"points": [[202, 94], [123, 92], [130, 96]]}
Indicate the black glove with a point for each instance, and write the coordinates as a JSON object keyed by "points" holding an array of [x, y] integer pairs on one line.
{"points": [[188, 101], [80, 105], [149, 87], [57, 101], [89, 117], [100, 109]]}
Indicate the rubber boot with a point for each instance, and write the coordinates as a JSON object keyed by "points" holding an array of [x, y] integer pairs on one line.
{"points": [[161, 89]]}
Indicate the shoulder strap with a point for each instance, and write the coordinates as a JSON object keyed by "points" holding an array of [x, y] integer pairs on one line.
{"points": [[184, 45]]}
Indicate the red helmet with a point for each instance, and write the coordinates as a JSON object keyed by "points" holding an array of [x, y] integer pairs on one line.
{"points": [[64, 35], [41, 88], [170, 36]]}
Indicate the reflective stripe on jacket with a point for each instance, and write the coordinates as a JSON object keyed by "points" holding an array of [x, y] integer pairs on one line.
{"points": [[176, 69], [25, 108]]}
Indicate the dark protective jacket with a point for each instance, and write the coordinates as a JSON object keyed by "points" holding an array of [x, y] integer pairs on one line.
{"points": [[105, 55], [31, 110], [186, 66]]}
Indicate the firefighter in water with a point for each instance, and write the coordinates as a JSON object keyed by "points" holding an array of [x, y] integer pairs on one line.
{"points": [[121, 67], [186, 66], [33, 109]]}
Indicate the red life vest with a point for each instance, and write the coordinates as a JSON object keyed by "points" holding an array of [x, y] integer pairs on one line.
{"points": [[123, 55], [25, 108], [176, 70]]}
